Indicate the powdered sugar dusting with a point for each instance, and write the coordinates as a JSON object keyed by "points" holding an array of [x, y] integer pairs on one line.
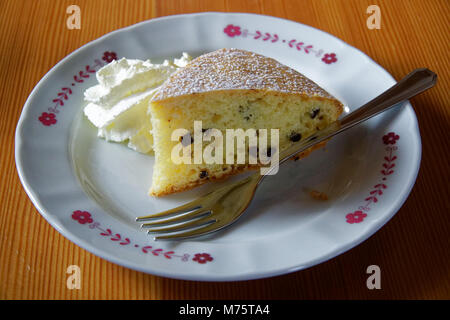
{"points": [[235, 69]]}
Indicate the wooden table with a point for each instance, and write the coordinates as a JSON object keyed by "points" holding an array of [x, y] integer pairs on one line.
{"points": [[412, 250]]}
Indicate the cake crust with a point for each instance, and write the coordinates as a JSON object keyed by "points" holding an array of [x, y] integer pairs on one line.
{"points": [[236, 69]]}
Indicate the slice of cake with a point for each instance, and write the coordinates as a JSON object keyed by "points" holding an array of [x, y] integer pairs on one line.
{"points": [[230, 89]]}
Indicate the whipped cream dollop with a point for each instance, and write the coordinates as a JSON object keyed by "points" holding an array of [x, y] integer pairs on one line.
{"points": [[118, 104]]}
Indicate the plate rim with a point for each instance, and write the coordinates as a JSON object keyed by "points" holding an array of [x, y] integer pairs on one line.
{"points": [[73, 237]]}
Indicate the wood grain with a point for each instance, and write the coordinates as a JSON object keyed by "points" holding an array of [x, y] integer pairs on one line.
{"points": [[411, 250]]}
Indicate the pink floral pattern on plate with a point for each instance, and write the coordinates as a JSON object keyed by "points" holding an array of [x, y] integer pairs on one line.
{"points": [[389, 139], [85, 218], [234, 31], [355, 217], [48, 118]]}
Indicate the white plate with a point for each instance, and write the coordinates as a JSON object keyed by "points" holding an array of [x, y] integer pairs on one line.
{"points": [[91, 190]]}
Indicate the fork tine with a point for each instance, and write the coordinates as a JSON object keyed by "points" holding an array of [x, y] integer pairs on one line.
{"points": [[190, 206], [200, 231], [205, 220], [199, 213]]}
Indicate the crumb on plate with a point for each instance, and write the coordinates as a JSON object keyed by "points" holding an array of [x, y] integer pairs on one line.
{"points": [[318, 195]]}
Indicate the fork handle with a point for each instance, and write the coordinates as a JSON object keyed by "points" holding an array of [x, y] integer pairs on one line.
{"points": [[414, 83]]}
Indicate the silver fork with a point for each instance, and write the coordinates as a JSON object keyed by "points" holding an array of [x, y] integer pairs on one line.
{"points": [[222, 207]]}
